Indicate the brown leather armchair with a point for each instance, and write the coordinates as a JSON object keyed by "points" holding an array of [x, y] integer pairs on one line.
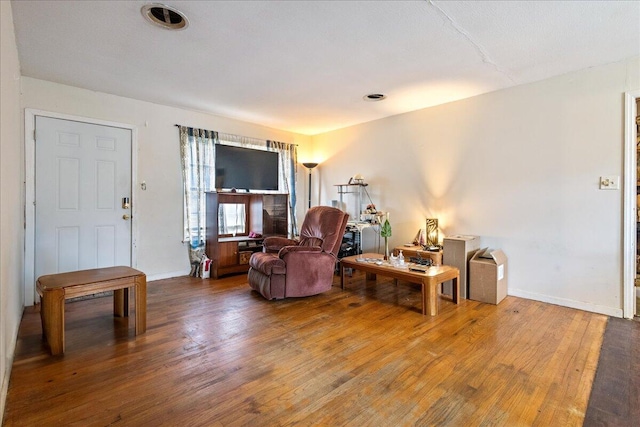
{"points": [[298, 268]]}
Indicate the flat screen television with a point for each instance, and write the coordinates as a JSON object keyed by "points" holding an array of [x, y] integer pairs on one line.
{"points": [[246, 169]]}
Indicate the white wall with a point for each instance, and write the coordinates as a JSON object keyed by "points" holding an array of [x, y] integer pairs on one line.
{"points": [[160, 252], [520, 167], [11, 198]]}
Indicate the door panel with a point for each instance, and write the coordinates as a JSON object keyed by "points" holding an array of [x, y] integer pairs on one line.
{"points": [[66, 249], [82, 172]]}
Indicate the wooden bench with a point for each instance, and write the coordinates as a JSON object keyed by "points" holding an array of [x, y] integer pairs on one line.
{"points": [[54, 289]]}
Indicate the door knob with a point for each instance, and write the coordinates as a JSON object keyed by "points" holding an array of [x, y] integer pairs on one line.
{"points": [[125, 216]]}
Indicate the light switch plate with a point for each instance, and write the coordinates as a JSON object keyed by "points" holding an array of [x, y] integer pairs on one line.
{"points": [[610, 182]]}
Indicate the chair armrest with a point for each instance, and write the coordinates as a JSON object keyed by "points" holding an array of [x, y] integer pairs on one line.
{"points": [[275, 243], [298, 249]]}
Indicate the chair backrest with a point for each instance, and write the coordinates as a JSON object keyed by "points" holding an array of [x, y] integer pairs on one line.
{"points": [[324, 226]]}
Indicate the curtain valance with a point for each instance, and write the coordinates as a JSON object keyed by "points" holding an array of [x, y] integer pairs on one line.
{"points": [[220, 137]]}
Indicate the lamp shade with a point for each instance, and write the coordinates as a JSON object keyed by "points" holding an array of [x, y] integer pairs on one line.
{"points": [[432, 232]]}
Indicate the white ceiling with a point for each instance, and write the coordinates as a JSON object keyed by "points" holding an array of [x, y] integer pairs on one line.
{"points": [[304, 66]]}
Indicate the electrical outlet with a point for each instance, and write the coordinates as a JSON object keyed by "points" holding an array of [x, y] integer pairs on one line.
{"points": [[610, 182]]}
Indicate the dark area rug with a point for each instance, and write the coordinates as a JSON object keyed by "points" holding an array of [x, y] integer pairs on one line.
{"points": [[615, 395]]}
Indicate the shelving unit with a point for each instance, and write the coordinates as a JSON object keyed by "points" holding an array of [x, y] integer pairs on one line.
{"points": [[358, 191], [352, 240], [265, 214]]}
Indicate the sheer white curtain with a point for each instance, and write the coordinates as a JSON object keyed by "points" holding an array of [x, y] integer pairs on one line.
{"points": [[287, 179], [197, 153]]}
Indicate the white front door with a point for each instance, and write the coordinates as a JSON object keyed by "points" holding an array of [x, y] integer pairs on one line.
{"points": [[82, 181]]}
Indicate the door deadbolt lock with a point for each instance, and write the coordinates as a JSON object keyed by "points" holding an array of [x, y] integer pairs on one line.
{"points": [[126, 204], [125, 216]]}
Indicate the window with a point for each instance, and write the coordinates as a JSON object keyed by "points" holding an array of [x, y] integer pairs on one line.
{"points": [[197, 151]]}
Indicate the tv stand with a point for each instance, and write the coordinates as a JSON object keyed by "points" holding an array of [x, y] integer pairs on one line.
{"points": [[265, 214]]}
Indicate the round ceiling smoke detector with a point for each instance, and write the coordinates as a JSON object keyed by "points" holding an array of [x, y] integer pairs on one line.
{"points": [[165, 16], [374, 97]]}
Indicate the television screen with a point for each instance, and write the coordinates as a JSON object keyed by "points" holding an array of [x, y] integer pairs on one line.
{"points": [[246, 169]]}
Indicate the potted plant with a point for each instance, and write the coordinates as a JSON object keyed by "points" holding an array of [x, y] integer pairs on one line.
{"points": [[385, 232]]}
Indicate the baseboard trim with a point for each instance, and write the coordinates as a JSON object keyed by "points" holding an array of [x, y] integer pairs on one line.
{"points": [[169, 275], [3, 393], [6, 375], [5, 389], [585, 306]]}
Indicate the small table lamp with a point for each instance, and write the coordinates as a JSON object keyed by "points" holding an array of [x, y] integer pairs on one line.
{"points": [[432, 232], [310, 165]]}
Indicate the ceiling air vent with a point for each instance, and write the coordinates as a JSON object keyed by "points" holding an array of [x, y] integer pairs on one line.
{"points": [[165, 16], [374, 97]]}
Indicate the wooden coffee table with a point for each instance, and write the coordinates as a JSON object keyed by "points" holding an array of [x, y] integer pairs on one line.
{"points": [[431, 279]]}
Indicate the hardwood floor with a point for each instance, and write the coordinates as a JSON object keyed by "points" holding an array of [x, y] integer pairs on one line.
{"points": [[216, 354]]}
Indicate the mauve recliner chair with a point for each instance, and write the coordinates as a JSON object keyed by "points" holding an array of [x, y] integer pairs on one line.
{"points": [[292, 268]]}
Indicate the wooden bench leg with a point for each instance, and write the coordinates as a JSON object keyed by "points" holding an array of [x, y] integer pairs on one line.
{"points": [[121, 302], [52, 315], [44, 335], [141, 304]]}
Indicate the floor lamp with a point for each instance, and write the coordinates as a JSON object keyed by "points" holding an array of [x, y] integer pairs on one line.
{"points": [[310, 166]]}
